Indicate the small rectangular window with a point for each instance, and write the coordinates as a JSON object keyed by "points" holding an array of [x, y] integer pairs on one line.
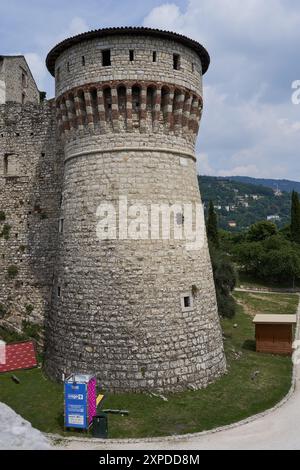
{"points": [[24, 80], [131, 55], [83, 61], [58, 291], [61, 225], [187, 302], [106, 61], [5, 165], [68, 66], [176, 61], [154, 56], [193, 67]]}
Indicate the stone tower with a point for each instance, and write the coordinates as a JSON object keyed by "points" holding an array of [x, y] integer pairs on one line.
{"points": [[140, 313]]}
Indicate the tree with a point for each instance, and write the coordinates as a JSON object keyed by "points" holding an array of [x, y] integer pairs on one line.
{"points": [[282, 264], [212, 226], [261, 230], [295, 218], [225, 281]]}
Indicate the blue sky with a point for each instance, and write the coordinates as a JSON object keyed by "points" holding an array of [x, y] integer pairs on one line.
{"points": [[250, 125]]}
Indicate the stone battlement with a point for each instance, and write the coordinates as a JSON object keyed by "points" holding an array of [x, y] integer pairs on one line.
{"points": [[130, 106]]}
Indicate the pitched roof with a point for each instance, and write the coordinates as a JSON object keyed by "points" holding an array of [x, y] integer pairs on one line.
{"points": [[129, 31]]}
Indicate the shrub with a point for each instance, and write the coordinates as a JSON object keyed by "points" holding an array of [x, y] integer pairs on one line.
{"points": [[3, 311], [225, 281], [31, 330], [12, 271], [5, 231], [29, 309]]}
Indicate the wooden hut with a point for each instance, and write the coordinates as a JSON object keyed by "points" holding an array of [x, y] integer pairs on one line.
{"points": [[275, 333]]}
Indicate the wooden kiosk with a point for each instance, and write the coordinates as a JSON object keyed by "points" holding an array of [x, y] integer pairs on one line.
{"points": [[275, 333]]}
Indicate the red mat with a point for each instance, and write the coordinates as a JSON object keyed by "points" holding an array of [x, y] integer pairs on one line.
{"points": [[19, 356]]}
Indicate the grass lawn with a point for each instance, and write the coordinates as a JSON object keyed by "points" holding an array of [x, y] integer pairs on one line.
{"points": [[254, 383], [254, 303]]}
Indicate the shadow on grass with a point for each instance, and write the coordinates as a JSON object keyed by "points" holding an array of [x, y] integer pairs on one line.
{"points": [[249, 345]]}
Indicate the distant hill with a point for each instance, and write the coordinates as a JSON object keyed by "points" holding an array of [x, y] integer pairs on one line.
{"points": [[283, 185], [240, 204]]}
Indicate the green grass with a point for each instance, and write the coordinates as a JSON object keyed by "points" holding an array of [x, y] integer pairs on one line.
{"points": [[233, 397], [267, 303]]}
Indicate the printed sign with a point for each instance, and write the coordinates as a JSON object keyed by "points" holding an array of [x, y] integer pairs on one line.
{"points": [[75, 405]]}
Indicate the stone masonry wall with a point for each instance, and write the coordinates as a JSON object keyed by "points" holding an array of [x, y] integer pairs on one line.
{"points": [[16, 89], [118, 305], [72, 71], [30, 177]]}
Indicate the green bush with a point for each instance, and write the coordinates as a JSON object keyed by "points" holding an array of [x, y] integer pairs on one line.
{"points": [[29, 309], [31, 330], [225, 278], [10, 336], [12, 271], [3, 311], [5, 231]]}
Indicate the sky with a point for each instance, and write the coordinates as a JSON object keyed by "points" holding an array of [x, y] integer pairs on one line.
{"points": [[250, 125]]}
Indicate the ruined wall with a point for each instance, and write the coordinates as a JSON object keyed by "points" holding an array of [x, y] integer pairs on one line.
{"points": [[30, 175]]}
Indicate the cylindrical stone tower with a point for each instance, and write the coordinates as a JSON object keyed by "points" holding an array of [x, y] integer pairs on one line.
{"points": [[139, 311]]}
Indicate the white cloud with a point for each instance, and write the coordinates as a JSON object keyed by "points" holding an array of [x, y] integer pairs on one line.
{"points": [[167, 16], [77, 25], [203, 165], [249, 125]]}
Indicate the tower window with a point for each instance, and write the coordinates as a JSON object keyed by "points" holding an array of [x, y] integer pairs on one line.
{"points": [[23, 98], [83, 61], [187, 302], [131, 55], [10, 165], [24, 79], [61, 225], [154, 56], [5, 165], [176, 61], [193, 67], [58, 291], [106, 60]]}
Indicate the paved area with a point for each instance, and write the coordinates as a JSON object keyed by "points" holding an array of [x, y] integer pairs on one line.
{"points": [[17, 433]]}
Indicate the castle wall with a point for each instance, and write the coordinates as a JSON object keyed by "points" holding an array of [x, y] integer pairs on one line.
{"points": [[30, 176], [118, 305], [120, 300], [16, 81], [72, 73]]}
